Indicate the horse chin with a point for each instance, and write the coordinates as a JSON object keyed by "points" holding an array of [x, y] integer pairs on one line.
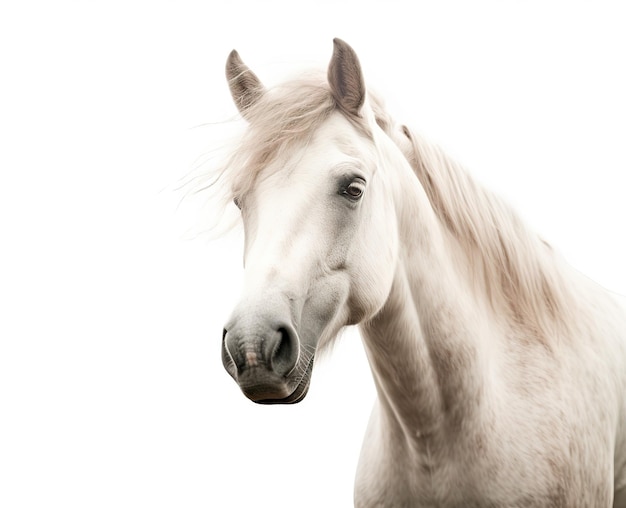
{"points": [[297, 395]]}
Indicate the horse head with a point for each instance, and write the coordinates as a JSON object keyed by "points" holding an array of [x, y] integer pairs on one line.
{"points": [[320, 238]]}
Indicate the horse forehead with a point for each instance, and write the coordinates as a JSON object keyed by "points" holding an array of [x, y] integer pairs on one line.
{"points": [[339, 132], [333, 147], [325, 155], [307, 166], [297, 193]]}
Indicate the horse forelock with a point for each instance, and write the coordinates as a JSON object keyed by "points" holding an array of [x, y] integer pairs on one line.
{"points": [[286, 116]]}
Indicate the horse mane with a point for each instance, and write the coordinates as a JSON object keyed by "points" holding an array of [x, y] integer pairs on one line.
{"points": [[517, 268]]}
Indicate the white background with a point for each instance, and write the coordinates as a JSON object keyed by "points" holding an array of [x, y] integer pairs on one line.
{"points": [[112, 391]]}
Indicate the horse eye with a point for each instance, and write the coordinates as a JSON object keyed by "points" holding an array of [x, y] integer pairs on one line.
{"points": [[237, 202], [355, 190]]}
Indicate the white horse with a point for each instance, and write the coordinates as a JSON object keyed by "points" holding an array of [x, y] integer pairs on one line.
{"points": [[500, 371]]}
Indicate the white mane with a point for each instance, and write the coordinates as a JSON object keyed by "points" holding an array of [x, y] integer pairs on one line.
{"points": [[518, 268]]}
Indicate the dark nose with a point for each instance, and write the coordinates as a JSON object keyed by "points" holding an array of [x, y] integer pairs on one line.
{"points": [[259, 354], [274, 349]]}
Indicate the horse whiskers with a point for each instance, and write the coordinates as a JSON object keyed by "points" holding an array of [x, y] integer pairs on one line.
{"points": [[306, 357]]}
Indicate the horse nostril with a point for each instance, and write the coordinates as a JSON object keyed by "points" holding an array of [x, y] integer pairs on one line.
{"points": [[232, 366], [285, 354], [260, 348]]}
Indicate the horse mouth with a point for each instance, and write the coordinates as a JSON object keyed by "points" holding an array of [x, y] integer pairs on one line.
{"points": [[298, 394]]}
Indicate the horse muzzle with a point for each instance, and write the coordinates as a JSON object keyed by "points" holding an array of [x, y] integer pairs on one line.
{"points": [[263, 356]]}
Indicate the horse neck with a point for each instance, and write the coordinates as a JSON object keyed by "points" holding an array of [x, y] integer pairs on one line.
{"points": [[425, 346]]}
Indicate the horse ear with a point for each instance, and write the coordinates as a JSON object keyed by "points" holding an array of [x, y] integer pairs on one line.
{"points": [[346, 79], [244, 85]]}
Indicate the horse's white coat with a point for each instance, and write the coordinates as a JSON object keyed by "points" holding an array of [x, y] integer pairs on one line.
{"points": [[481, 401]]}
